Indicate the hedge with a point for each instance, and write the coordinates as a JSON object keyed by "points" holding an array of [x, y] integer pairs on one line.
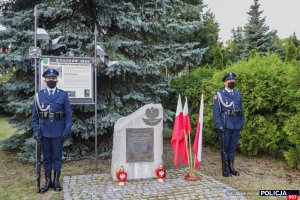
{"points": [[270, 93]]}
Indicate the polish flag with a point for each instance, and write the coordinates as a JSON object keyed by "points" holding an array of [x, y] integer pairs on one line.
{"points": [[178, 133], [187, 130], [197, 147], [186, 117]]}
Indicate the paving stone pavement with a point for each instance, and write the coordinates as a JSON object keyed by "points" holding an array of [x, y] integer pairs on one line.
{"points": [[101, 186]]}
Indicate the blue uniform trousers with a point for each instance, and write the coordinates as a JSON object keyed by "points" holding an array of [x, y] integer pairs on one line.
{"points": [[231, 138], [52, 151]]}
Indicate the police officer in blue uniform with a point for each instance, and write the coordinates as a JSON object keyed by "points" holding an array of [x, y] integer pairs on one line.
{"points": [[52, 115], [229, 119]]}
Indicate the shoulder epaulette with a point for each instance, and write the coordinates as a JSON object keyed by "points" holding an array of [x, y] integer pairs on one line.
{"points": [[43, 90]]}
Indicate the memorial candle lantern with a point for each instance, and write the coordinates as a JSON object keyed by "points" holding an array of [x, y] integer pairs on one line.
{"points": [[121, 176], [160, 173]]}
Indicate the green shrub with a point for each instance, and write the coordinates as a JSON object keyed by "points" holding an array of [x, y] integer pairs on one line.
{"points": [[291, 126], [292, 129], [270, 93], [190, 85]]}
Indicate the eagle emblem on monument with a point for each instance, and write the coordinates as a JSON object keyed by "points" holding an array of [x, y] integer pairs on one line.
{"points": [[152, 114]]}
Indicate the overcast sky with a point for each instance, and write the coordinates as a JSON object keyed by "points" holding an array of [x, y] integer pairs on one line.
{"points": [[281, 15]]}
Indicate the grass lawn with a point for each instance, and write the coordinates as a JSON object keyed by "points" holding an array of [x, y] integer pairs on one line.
{"points": [[17, 179], [6, 130]]}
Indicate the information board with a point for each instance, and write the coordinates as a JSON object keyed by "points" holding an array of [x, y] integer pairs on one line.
{"points": [[75, 77]]}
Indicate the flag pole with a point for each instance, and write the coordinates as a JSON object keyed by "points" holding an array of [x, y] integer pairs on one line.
{"points": [[198, 139], [187, 149], [195, 157], [191, 155], [96, 93], [191, 175], [35, 12]]}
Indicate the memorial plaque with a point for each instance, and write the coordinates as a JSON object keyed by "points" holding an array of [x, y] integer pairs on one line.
{"points": [[139, 145]]}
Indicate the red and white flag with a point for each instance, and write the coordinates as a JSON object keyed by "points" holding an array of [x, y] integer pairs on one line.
{"points": [[186, 117], [187, 130], [197, 147], [177, 140]]}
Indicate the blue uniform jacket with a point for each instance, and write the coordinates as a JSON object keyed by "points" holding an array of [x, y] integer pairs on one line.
{"points": [[232, 102], [58, 103]]}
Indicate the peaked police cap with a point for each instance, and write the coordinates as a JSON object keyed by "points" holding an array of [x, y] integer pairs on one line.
{"points": [[50, 73], [229, 76]]}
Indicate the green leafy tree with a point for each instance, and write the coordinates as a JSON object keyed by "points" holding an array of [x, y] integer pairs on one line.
{"points": [[144, 36]]}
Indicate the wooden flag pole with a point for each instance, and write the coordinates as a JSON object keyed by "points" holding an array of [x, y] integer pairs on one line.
{"points": [[192, 175], [195, 161], [191, 155], [187, 149]]}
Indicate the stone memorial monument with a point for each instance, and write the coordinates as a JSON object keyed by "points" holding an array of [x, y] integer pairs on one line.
{"points": [[138, 142]]}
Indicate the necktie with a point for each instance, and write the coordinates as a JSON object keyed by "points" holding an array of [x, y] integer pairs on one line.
{"points": [[51, 93]]}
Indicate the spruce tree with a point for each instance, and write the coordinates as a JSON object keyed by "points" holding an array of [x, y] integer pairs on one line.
{"points": [[218, 59], [237, 44], [209, 36], [229, 63], [257, 34], [295, 40], [144, 36], [291, 53]]}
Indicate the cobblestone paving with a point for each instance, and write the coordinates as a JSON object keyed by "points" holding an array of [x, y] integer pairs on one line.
{"points": [[101, 186]]}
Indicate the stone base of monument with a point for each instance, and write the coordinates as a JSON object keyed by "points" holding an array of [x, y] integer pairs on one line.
{"points": [[192, 176]]}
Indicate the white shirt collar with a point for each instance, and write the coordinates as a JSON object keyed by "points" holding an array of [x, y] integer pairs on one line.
{"points": [[53, 89], [228, 90]]}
